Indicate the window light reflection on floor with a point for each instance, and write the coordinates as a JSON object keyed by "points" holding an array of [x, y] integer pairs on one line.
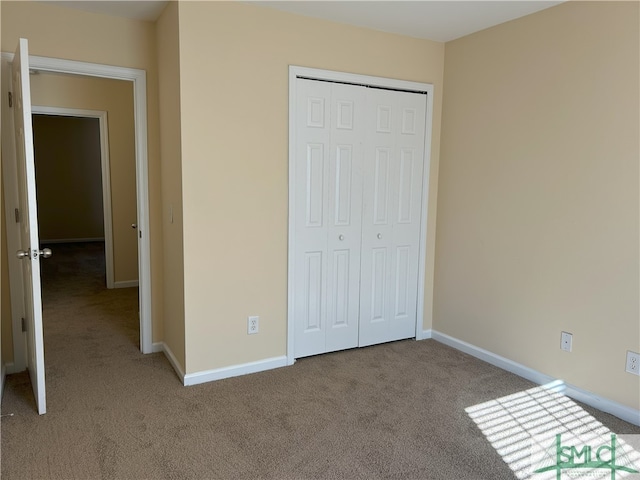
{"points": [[544, 435]]}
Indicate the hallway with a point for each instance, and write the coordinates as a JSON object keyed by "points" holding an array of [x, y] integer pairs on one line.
{"points": [[79, 310], [90, 333]]}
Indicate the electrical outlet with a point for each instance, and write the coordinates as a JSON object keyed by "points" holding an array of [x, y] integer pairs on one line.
{"points": [[633, 363], [566, 339], [253, 325]]}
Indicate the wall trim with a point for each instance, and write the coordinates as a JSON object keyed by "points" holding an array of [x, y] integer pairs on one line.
{"points": [[172, 359], [624, 412], [127, 284], [235, 370], [319, 74], [426, 334], [218, 373]]}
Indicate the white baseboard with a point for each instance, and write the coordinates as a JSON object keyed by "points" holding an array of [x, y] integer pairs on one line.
{"points": [[10, 368], [125, 284], [423, 334], [235, 370], [628, 414], [218, 373], [172, 359], [73, 240]]}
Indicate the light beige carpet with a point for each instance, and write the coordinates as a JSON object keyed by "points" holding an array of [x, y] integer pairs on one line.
{"points": [[390, 411]]}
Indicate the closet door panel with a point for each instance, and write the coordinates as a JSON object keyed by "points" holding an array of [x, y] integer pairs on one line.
{"points": [[358, 174], [345, 216], [394, 152], [313, 135], [407, 210], [377, 216]]}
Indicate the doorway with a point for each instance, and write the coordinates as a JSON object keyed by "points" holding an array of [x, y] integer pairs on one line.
{"points": [[137, 79], [73, 184], [73, 180]]}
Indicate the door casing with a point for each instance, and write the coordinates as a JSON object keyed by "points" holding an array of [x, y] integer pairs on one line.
{"points": [[72, 67], [365, 80]]}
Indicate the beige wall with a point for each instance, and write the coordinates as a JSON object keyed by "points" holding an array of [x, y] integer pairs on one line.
{"points": [[68, 177], [537, 226], [171, 162], [116, 98], [234, 62], [72, 34]]}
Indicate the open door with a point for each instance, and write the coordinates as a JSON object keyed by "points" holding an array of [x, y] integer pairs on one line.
{"points": [[30, 252]]}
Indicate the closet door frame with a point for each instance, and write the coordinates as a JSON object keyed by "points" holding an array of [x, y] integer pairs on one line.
{"points": [[296, 72]]}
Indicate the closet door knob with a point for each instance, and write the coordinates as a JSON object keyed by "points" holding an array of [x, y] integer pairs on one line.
{"points": [[340, 237], [379, 236]]}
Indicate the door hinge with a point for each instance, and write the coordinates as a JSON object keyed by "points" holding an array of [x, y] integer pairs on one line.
{"points": [[16, 212], [24, 325], [10, 99]]}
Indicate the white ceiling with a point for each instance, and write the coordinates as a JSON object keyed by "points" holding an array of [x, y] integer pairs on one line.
{"points": [[148, 10], [434, 20]]}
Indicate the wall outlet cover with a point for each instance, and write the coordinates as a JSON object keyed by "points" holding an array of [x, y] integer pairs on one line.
{"points": [[633, 363], [253, 325]]}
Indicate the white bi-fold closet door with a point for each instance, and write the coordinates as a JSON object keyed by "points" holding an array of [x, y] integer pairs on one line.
{"points": [[359, 159]]}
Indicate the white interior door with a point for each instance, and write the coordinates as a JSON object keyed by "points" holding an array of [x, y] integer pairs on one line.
{"points": [[330, 125], [394, 162], [358, 176], [30, 253]]}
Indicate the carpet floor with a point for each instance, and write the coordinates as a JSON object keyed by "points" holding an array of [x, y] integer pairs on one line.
{"points": [[390, 411]]}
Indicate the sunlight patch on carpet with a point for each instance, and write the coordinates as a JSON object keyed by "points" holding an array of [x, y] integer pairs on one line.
{"points": [[544, 435]]}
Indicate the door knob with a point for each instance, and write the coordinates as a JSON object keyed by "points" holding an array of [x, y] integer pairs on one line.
{"points": [[134, 226], [22, 254], [340, 237], [45, 253], [379, 236]]}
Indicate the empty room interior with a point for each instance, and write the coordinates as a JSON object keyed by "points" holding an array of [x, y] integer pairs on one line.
{"points": [[319, 239]]}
